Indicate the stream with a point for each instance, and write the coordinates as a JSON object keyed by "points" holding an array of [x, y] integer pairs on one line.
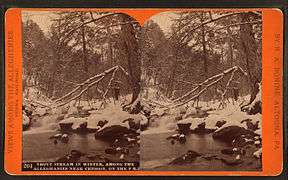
{"points": [[157, 152], [38, 147]]}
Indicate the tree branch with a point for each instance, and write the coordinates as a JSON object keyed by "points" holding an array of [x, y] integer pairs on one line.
{"points": [[226, 88], [79, 95], [218, 77], [190, 32], [87, 82], [204, 82], [201, 92], [236, 24]]}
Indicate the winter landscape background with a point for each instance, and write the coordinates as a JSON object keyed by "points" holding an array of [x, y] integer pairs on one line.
{"points": [[183, 92]]}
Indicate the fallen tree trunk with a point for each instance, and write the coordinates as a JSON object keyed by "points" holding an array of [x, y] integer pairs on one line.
{"points": [[82, 92], [87, 82], [202, 87], [83, 87]]}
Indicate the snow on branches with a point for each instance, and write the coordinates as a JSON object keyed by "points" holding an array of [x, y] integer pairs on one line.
{"points": [[205, 85], [81, 88]]}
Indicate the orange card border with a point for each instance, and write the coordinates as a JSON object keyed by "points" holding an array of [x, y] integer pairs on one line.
{"points": [[272, 93]]}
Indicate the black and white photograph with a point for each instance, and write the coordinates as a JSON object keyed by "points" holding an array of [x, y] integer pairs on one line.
{"points": [[201, 79], [81, 84], [182, 92]]}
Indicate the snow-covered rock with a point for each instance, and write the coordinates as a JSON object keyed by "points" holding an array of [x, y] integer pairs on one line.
{"points": [[158, 111], [40, 111], [230, 133], [112, 132], [258, 153], [184, 127], [25, 121], [66, 127]]}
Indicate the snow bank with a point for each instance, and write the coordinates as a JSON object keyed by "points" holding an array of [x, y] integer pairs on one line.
{"points": [[232, 114], [25, 119], [112, 113], [35, 96]]}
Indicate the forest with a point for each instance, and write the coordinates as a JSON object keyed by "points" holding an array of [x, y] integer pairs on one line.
{"points": [[80, 45], [194, 52], [185, 72]]}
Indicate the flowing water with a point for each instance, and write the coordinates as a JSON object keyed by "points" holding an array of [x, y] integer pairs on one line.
{"points": [[38, 146], [157, 152]]}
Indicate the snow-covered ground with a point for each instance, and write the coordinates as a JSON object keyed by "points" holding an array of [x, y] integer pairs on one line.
{"points": [[113, 113], [162, 118], [232, 114]]}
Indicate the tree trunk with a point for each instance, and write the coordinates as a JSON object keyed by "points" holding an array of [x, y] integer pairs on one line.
{"points": [[231, 58], [249, 48], [110, 51], [205, 61], [134, 63], [84, 55], [84, 51], [170, 85]]}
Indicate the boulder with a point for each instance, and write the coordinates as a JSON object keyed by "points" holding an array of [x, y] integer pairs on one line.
{"points": [[121, 158], [252, 126], [77, 154], [201, 113], [227, 151], [35, 116], [65, 110], [93, 156], [83, 129], [26, 122], [133, 124], [229, 133], [123, 150], [59, 118], [201, 127], [178, 118], [258, 154], [144, 123], [242, 141], [26, 110], [182, 111], [102, 123], [188, 157], [112, 132], [74, 156], [80, 114], [255, 103], [184, 127], [146, 110], [182, 139], [66, 127], [55, 141], [210, 157], [174, 136], [257, 108], [83, 125], [56, 136], [158, 112], [111, 151], [220, 123], [64, 138], [231, 161], [79, 108]]}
